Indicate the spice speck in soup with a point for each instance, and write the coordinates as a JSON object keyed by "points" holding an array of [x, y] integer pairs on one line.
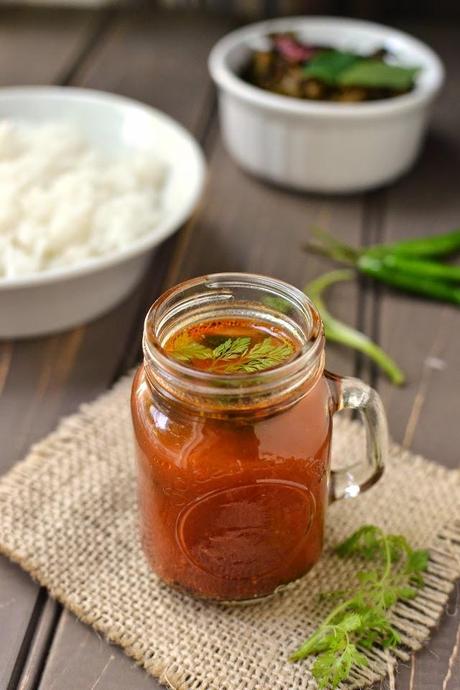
{"points": [[232, 346]]}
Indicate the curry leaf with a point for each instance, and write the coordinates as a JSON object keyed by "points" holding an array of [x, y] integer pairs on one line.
{"points": [[329, 64], [377, 74], [340, 68]]}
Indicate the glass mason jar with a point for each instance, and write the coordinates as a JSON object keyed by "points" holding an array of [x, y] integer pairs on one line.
{"points": [[234, 476]]}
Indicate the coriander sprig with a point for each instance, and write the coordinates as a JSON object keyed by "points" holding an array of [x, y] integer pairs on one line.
{"points": [[186, 349], [232, 348], [361, 619], [265, 354]]}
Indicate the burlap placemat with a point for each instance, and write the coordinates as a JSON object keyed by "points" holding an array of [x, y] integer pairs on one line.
{"points": [[68, 516]]}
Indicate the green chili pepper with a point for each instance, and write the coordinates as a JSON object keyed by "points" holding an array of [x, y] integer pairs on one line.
{"points": [[437, 289], [340, 332], [436, 245], [402, 264], [419, 268]]}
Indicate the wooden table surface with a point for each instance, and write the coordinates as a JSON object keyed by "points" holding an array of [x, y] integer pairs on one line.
{"points": [[243, 225]]}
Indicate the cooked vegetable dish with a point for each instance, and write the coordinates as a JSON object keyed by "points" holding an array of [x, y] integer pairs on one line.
{"points": [[292, 68]]}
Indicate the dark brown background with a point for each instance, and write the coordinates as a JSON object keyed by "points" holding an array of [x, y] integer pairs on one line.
{"points": [[160, 58]]}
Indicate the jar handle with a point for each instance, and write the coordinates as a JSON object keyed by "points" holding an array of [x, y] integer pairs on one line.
{"points": [[352, 394]]}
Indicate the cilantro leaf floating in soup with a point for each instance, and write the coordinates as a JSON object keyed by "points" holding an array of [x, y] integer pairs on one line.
{"points": [[292, 68], [231, 347]]}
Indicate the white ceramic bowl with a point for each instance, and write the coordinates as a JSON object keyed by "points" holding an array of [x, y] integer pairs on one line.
{"points": [[60, 298], [323, 146]]}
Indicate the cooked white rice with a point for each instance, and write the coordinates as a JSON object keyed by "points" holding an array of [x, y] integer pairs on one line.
{"points": [[62, 202]]}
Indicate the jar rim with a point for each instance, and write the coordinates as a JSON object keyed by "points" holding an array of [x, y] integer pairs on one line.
{"points": [[205, 382]]}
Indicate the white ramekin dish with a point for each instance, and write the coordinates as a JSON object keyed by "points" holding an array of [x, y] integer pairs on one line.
{"points": [[322, 146], [60, 298]]}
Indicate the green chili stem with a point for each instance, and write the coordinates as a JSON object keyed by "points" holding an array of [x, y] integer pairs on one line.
{"points": [[336, 253], [343, 252], [414, 275], [340, 332]]}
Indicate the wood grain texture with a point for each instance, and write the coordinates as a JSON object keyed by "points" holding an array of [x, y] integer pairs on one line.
{"points": [[262, 213], [27, 383], [257, 228], [80, 658], [40, 642], [38, 46], [132, 56], [424, 337], [44, 379], [159, 58], [276, 225]]}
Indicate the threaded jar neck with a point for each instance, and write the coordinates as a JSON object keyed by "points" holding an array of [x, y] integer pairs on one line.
{"points": [[226, 296]]}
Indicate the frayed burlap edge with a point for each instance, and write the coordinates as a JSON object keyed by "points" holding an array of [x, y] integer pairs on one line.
{"points": [[414, 620]]}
